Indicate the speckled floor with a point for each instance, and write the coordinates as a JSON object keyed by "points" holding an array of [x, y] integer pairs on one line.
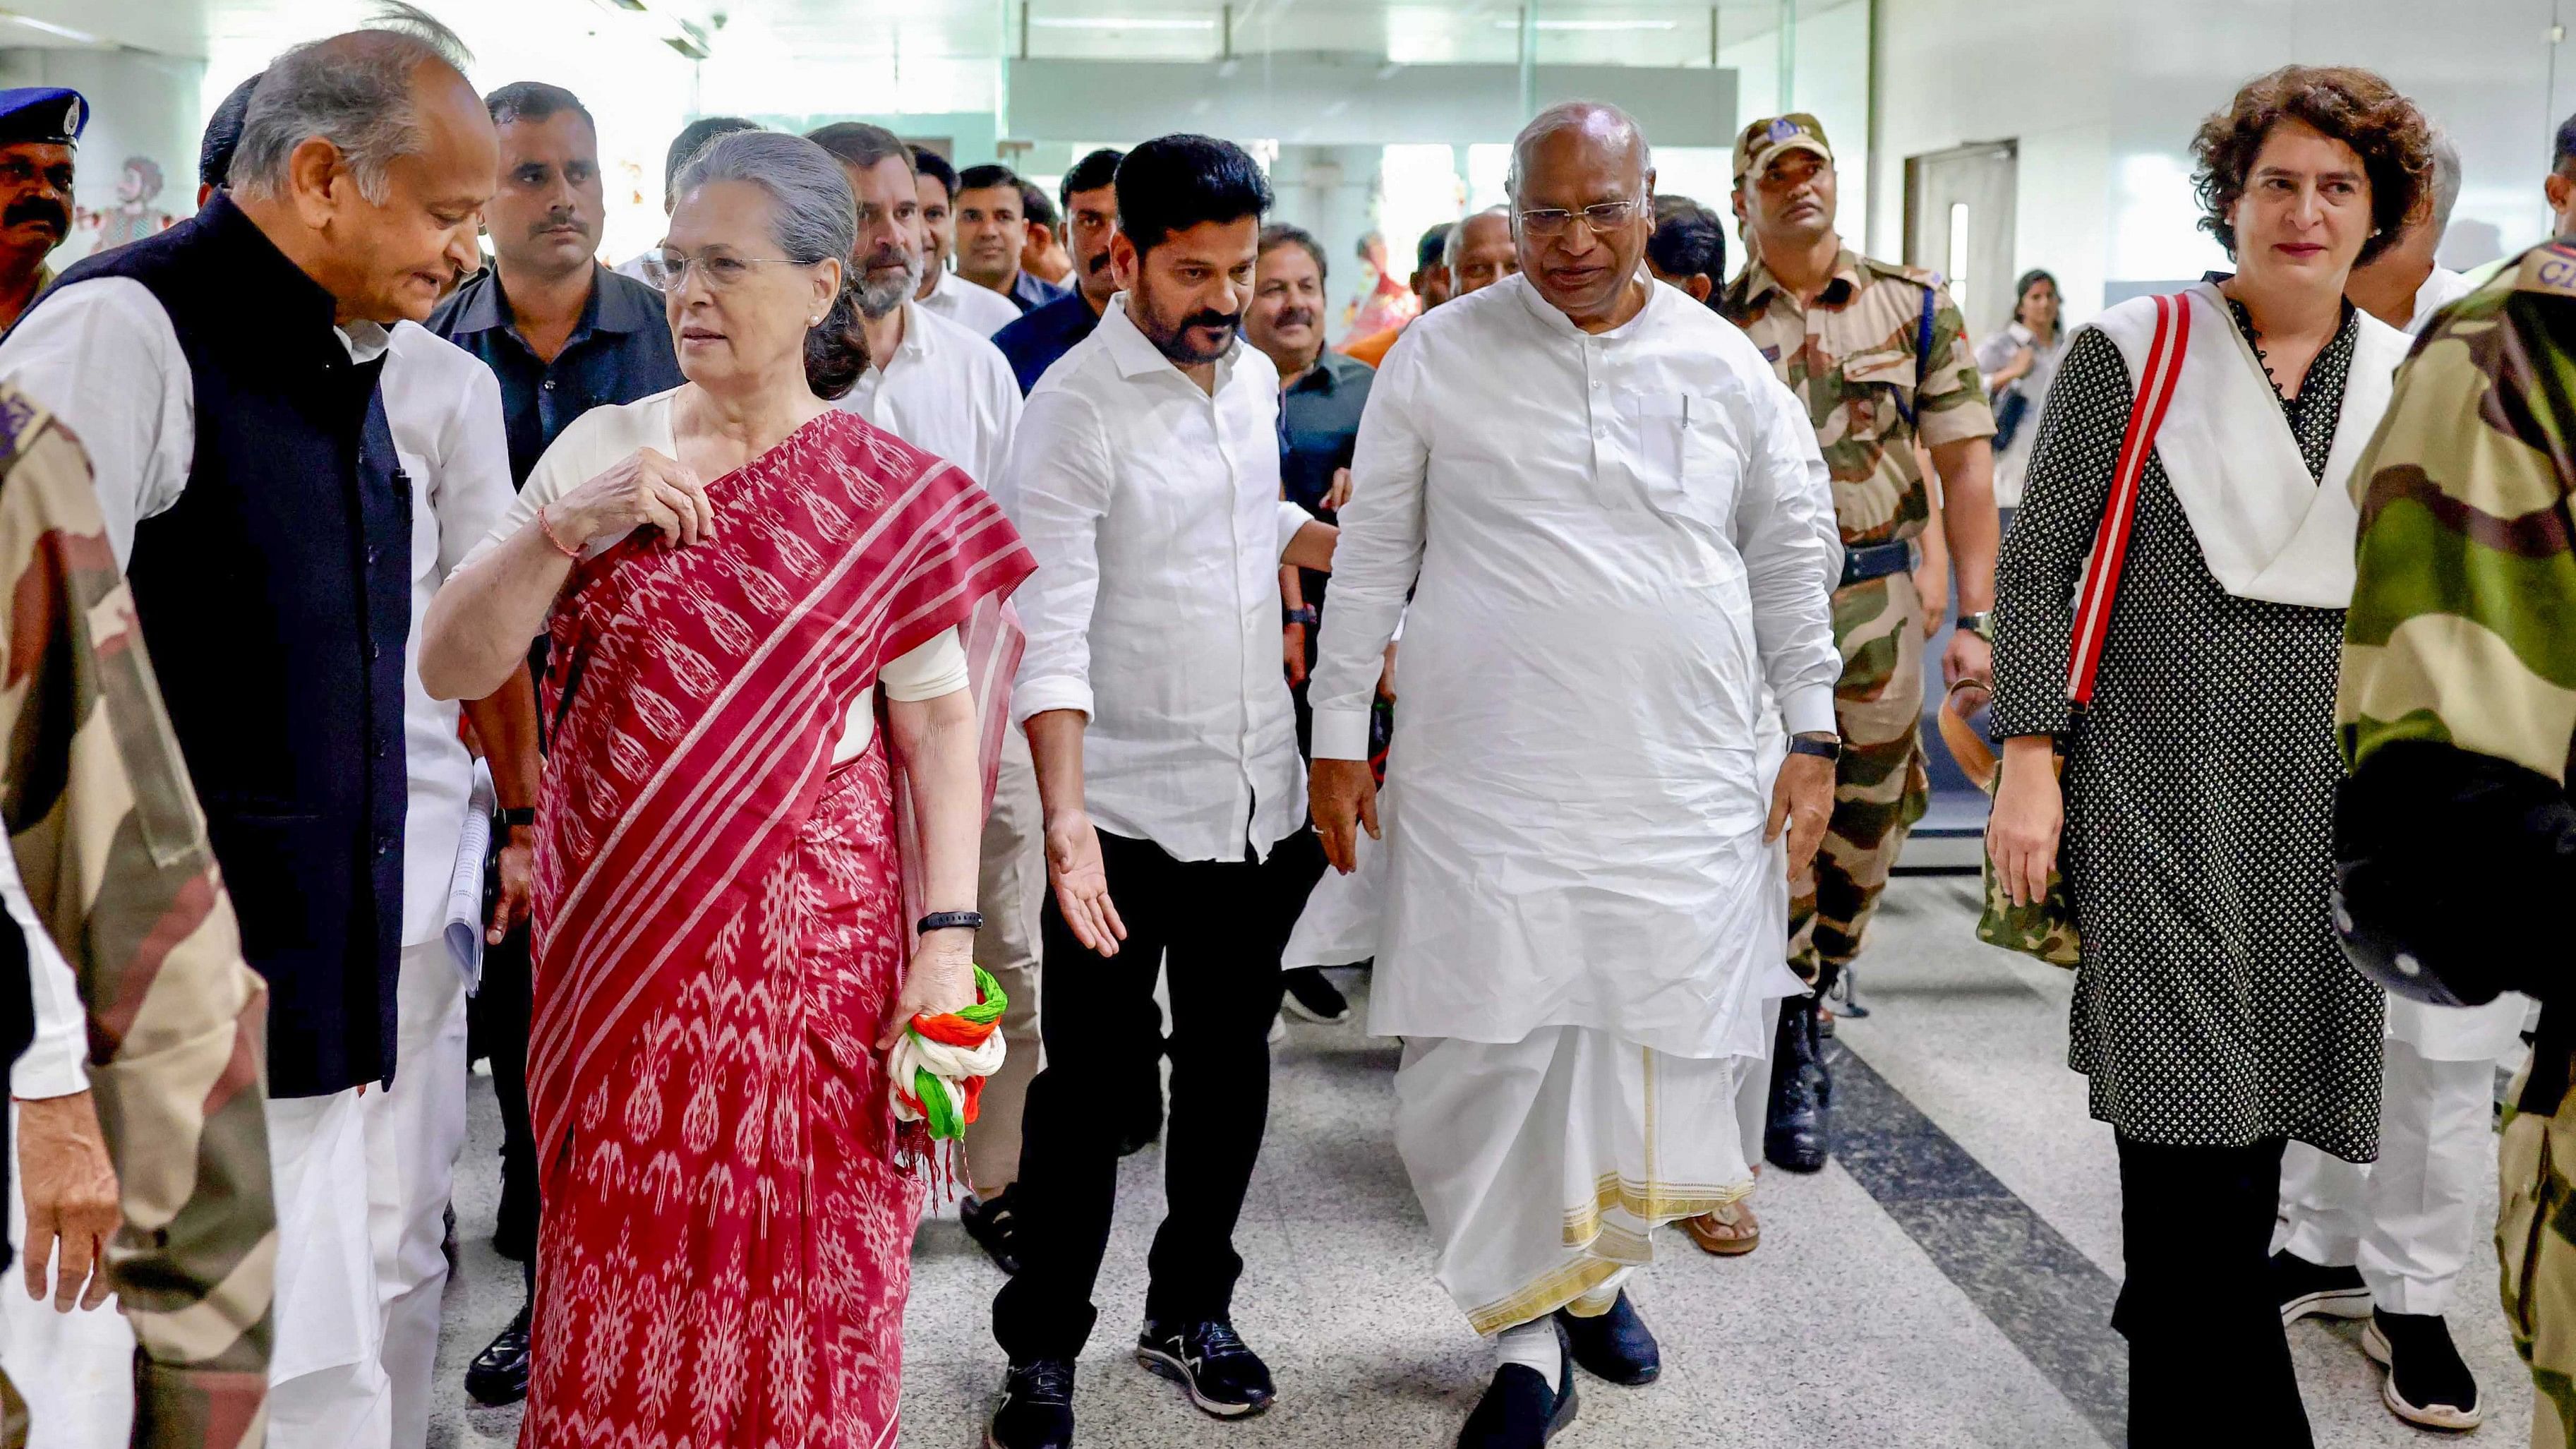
{"points": [[1944, 1288]]}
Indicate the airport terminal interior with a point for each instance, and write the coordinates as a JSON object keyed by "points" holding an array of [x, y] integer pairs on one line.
{"points": [[1947, 1279]]}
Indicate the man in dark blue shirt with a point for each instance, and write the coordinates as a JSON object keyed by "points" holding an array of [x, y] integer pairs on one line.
{"points": [[564, 335], [561, 332], [1091, 218]]}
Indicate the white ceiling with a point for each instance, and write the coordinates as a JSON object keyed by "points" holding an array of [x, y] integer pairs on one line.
{"points": [[1656, 32]]}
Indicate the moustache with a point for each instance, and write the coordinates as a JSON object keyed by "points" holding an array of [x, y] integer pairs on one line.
{"points": [[1221, 321], [1097, 264], [38, 208], [558, 221], [1295, 317], [888, 256]]}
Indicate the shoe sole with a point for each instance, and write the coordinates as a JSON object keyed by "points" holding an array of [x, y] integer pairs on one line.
{"points": [[2374, 1345], [2327, 1303], [1565, 1410], [1163, 1365], [1303, 1012]]}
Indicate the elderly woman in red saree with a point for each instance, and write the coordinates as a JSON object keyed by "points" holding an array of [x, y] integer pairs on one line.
{"points": [[753, 600]]}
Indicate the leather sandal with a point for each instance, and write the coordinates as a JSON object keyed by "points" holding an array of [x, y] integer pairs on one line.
{"points": [[1726, 1232]]}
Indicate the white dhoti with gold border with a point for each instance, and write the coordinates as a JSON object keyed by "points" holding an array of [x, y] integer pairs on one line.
{"points": [[1545, 1164]]}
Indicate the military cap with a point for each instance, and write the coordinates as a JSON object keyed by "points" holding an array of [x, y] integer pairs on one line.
{"points": [[45, 115], [1764, 139]]}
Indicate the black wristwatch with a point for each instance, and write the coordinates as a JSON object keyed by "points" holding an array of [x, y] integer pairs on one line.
{"points": [[1981, 624], [1306, 615], [514, 816], [950, 921], [1828, 747]]}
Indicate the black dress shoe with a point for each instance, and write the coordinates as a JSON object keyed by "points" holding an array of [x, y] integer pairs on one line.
{"points": [[994, 1224], [1037, 1407], [499, 1374], [1616, 1346], [1797, 1136], [1210, 1363], [1518, 1410], [2428, 1382], [1309, 994]]}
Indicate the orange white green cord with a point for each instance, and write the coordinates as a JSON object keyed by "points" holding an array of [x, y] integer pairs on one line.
{"points": [[939, 1066]]}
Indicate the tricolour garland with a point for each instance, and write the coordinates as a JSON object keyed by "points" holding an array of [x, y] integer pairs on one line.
{"points": [[939, 1066]]}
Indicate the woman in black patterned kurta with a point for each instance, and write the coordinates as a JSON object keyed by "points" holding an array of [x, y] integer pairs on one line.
{"points": [[2213, 1008], [2214, 1016]]}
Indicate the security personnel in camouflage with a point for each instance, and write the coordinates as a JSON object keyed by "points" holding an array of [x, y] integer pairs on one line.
{"points": [[1878, 354], [105, 829], [2458, 714]]}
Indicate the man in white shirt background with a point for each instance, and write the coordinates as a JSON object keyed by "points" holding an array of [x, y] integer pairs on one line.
{"points": [[692, 139], [944, 389], [1146, 480], [1624, 542], [2404, 286], [342, 222], [978, 309]]}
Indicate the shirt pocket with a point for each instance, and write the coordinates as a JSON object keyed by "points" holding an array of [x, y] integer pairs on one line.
{"points": [[1877, 391], [1688, 464]]}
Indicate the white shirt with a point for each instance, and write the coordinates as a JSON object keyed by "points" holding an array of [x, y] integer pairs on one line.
{"points": [[602, 438], [2440, 289], [945, 391], [1154, 512], [1620, 546], [103, 356], [444, 407], [979, 310], [634, 267]]}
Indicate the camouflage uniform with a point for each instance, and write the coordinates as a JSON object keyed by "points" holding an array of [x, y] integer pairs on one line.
{"points": [[2460, 635], [1852, 360], [105, 828]]}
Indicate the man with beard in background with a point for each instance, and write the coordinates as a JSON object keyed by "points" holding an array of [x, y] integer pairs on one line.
{"points": [[39, 126], [563, 334], [1035, 341]]}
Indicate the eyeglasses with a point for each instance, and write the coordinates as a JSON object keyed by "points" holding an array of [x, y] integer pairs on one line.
{"points": [[1602, 216], [719, 270]]}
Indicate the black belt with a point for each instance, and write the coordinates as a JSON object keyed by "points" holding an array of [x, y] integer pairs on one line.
{"points": [[1875, 561]]}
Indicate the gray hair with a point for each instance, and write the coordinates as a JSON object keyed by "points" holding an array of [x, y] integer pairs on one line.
{"points": [[352, 90], [813, 218], [2446, 182], [1596, 117]]}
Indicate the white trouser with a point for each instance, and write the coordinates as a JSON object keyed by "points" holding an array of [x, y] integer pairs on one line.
{"points": [[326, 1381], [415, 1133], [2407, 1220]]}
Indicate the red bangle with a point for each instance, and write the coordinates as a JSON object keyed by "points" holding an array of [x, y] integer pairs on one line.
{"points": [[548, 529]]}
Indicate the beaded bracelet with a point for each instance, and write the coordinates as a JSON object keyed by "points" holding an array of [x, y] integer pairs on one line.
{"points": [[548, 529]]}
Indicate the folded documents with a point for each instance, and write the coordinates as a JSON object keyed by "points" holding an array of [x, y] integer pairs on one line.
{"points": [[465, 916]]}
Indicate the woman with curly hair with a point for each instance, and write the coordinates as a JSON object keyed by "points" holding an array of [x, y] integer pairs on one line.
{"points": [[2213, 1013]]}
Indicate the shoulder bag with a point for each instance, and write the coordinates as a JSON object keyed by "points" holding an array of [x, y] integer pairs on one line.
{"points": [[2046, 929]]}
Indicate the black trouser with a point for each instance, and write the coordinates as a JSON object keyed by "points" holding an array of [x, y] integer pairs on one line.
{"points": [[2204, 1328], [1219, 927], [501, 1007]]}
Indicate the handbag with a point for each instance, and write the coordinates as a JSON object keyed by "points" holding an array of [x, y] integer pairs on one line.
{"points": [[2011, 410], [2046, 928]]}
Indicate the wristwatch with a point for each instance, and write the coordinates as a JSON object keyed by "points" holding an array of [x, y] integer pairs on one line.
{"points": [[1980, 623], [1823, 746], [1306, 615], [514, 816], [950, 921]]}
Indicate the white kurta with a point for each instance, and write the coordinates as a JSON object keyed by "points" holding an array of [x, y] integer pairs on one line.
{"points": [[1620, 539]]}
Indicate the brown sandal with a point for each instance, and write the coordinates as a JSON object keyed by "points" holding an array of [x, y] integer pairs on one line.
{"points": [[1727, 1232]]}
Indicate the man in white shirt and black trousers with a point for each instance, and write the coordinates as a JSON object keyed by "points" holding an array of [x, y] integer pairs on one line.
{"points": [[1146, 480], [224, 378]]}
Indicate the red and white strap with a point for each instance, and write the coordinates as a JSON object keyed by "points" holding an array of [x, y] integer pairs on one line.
{"points": [[2111, 543]]}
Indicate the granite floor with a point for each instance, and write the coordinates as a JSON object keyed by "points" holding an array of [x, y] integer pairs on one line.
{"points": [[1944, 1283]]}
